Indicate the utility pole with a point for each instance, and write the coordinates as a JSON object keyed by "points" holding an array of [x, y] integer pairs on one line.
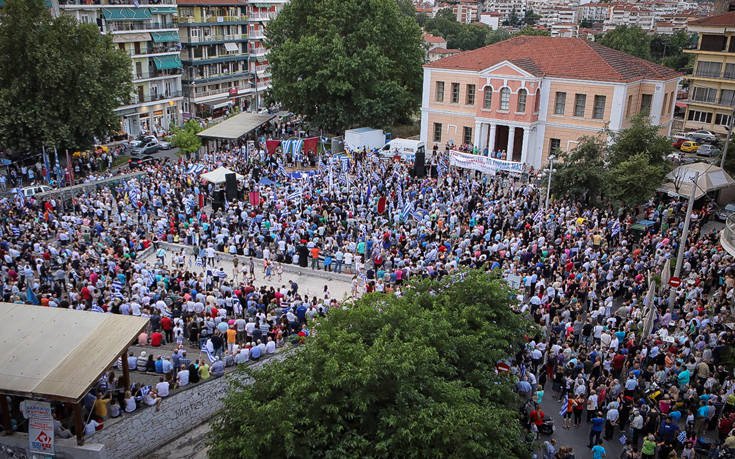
{"points": [[548, 187], [684, 235], [727, 139]]}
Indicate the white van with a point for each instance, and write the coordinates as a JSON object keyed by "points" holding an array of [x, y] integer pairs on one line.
{"points": [[29, 191], [405, 148]]}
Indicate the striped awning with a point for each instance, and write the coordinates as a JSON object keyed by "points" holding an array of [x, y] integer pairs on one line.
{"points": [[126, 14], [163, 9], [131, 37], [169, 36]]}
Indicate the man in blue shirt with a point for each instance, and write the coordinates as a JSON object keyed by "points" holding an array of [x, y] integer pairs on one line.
{"points": [[598, 451], [598, 422], [255, 352]]}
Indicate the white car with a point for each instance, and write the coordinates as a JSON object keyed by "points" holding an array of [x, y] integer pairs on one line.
{"points": [[29, 191], [708, 150], [703, 136], [725, 212]]}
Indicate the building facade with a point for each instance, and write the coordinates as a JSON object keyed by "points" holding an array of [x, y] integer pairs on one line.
{"points": [[148, 32], [530, 96], [712, 83], [260, 13], [214, 38]]}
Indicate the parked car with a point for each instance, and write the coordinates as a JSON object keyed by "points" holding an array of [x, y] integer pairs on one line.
{"points": [[29, 191], [139, 162], [147, 149], [677, 140], [142, 140], [725, 212], [164, 144], [708, 150], [702, 136], [689, 146]]}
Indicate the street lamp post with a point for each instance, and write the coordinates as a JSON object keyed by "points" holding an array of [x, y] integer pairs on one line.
{"points": [[548, 187], [684, 235], [727, 139]]}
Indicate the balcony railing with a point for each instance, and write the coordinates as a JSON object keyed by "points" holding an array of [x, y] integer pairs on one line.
{"points": [[215, 39], [256, 34], [136, 26], [703, 99], [154, 50], [706, 74], [137, 99], [157, 74], [258, 51], [215, 59], [116, 2], [262, 16], [213, 20]]}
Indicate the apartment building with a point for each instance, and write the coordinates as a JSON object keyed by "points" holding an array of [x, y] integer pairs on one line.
{"points": [[712, 84], [148, 32], [529, 96], [506, 7], [260, 13], [466, 13], [629, 15], [594, 11], [214, 38]]}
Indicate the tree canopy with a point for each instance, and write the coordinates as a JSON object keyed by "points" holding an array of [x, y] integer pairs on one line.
{"points": [[186, 138], [59, 80], [631, 40], [346, 63], [625, 172], [389, 377], [663, 49]]}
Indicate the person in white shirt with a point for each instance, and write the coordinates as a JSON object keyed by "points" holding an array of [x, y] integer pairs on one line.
{"points": [[162, 387], [182, 377], [129, 400], [270, 348]]}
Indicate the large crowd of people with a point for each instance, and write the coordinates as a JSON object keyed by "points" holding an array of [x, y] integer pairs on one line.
{"points": [[584, 277]]}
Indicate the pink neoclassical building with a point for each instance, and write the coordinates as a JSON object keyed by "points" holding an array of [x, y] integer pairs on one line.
{"points": [[529, 96]]}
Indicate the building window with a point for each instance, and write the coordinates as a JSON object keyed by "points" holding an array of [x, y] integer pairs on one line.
{"points": [[727, 97], [629, 107], [729, 70], [559, 102], [467, 134], [487, 100], [580, 100], [554, 145], [439, 95], [708, 69], [665, 104], [505, 99], [470, 97], [701, 94], [537, 101], [522, 96], [455, 93], [722, 120], [598, 110], [700, 117], [713, 43], [646, 104], [437, 132]]}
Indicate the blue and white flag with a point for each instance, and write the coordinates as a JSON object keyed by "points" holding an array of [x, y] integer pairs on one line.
{"points": [[564, 406], [408, 209], [298, 144], [96, 308], [31, 296], [295, 196], [615, 228], [209, 355]]}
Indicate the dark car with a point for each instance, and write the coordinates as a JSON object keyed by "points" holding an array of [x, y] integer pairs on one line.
{"points": [[142, 161]]}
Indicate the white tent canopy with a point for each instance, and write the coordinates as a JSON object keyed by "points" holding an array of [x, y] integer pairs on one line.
{"points": [[237, 126], [681, 180], [217, 176]]}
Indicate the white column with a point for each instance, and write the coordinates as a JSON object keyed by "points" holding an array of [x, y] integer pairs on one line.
{"points": [[524, 147], [491, 141], [483, 137], [477, 135], [511, 142]]}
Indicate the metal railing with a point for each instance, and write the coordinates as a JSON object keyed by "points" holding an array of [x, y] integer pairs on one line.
{"points": [[158, 74], [134, 26], [154, 50], [211, 19], [705, 74], [262, 16], [215, 38], [727, 237], [136, 99]]}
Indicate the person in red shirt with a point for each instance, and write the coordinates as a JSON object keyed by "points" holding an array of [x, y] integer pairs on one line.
{"points": [[168, 328], [156, 338], [537, 415]]}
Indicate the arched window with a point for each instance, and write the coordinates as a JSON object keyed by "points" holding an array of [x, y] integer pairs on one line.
{"points": [[522, 94], [487, 100], [505, 99], [536, 101]]}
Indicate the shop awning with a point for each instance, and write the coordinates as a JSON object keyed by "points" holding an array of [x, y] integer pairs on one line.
{"points": [[237, 126], [167, 62], [160, 37], [126, 14], [163, 9], [232, 47], [131, 37], [216, 105]]}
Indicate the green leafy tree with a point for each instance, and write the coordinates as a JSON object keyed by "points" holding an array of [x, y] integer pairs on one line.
{"points": [[528, 30], [389, 377], [640, 137], [59, 80], [630, 40], [580, 173], [346, 63], [444, 23], [634, 180], [406, 7], [531, 18], [470, 36], [668, 50], [495, 36], [186, 138], [586, 23]]}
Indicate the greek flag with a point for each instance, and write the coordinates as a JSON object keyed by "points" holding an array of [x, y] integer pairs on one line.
{"points": [[408, 209], [145, 390], [615, 228], [564, 406], [21, 197], [295, 196], [189, 204], [298, 144], [345, 163], [96, 308], [282, 171], [682, 437], [199, 261], [286, 146], [195, 169], [207, 353]]}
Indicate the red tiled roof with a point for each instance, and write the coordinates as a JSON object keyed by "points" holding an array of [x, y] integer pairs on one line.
{"points": [[444, 51], [574, 58], [721, 20], [429, 38]]}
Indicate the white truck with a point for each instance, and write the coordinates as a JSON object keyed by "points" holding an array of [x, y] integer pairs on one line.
{"points": [[405, 148], [364, 138]]}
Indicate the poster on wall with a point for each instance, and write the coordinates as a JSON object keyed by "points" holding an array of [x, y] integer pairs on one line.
{"points": [[40, 428]]}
